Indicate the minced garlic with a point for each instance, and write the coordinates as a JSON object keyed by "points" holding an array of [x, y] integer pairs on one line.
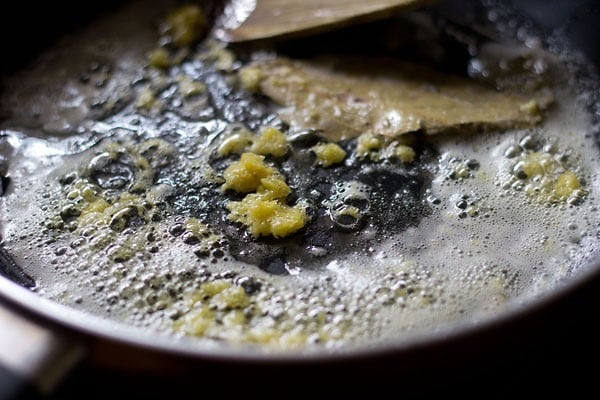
{"points": [[565, 185], [236, 143], [367, 143], [271, 142], [245, 175], [146, 99], [189, 87], [545, 176], [250, 78], [185, 25], [267, 217], [404, 153], [328, 154], [160, 58], [264, 212]]}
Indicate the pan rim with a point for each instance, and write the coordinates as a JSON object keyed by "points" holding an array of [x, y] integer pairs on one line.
{"points": [[75, 322]]}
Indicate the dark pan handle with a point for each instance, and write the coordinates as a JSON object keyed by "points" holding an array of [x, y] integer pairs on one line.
{"points": [[13, 386], [33, 359]]}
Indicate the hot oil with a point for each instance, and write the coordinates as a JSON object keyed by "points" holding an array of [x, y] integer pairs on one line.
{"points": [[480, 241]]}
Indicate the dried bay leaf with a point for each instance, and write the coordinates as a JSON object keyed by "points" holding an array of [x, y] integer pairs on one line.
{"points": [[267, 19], [347, 96]]}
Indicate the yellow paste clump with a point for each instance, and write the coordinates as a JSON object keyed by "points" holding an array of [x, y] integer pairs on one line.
{"points": [[265, 211], [367, 143], [181, 28], [566, 184], [404, 153], [545, 177], [211, 300], [236, 143], [378, 147], [189, 87], [250, 78], [147, 100], [160, 58], [245, 175], [328, 154], [530, 108], [185, 25], [267, 217], [271, 142]]}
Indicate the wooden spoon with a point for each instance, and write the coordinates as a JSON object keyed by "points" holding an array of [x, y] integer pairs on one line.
{"points": [[248, 20]]}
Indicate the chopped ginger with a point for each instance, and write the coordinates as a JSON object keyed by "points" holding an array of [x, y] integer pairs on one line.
{"points": [[265, 211], [250, 78], [406, 154], [236, 143], [245, 175], [189, 87], [530, 108], [565, 184], [366, 143], [267, 217], [186, 25], [146, 99], [328, 154], [270, 142], [160, 58], [273, 188]]}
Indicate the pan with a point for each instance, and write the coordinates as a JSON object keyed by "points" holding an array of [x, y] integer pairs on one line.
{"points": [[43, 339]]}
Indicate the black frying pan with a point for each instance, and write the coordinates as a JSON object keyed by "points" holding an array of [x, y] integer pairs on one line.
{"points": [[539, 349]]}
